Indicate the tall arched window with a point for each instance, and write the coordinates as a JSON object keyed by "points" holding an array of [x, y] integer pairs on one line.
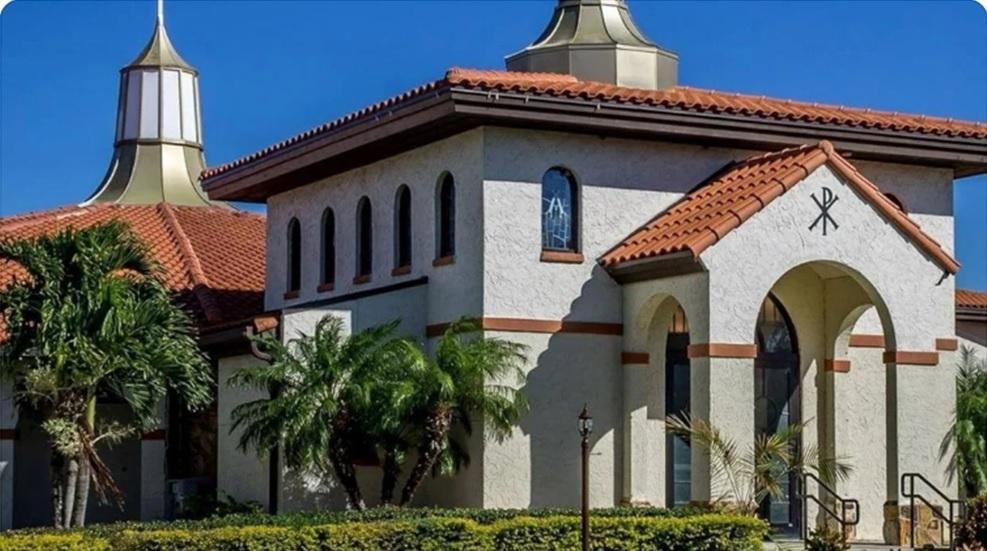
{"points": [[364, 239], [328, 247], [294, 256], [559, 210], [445, 217], [402, 228], [678, 454]]}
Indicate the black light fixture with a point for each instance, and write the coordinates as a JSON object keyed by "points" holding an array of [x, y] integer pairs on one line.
{"points": [[585, 428]]}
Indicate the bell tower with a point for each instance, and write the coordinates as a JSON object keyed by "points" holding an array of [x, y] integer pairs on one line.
{"points": [[598, 40], [157, 155]]}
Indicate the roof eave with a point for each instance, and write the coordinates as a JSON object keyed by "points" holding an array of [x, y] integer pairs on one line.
{"points": [[453, 109]]}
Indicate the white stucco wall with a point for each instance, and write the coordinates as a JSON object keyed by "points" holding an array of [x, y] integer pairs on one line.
{"points": [[241, 475]]}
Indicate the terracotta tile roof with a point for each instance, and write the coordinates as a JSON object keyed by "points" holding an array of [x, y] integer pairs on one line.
{"points": [[213, 257], [708, 213], [679, 98], [971, 299]]}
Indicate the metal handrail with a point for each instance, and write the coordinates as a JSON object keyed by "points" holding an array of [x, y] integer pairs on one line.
{"points": [[843, 503], [912, 496]]}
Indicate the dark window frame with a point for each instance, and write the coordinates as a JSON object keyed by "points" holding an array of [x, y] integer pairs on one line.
{"points": [[364, 237], [328, 273], [403, 242], [294, 279], [445, 216], [574, 211]]}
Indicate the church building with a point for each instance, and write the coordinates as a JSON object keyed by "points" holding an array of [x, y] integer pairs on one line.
{"points": [[756, 262]]}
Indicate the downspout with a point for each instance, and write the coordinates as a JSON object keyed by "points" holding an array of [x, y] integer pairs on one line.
{"points": [[274, 465]]}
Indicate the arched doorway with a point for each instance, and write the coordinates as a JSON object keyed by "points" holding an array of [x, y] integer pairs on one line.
{"points": [[678, 451], [777, 400]]}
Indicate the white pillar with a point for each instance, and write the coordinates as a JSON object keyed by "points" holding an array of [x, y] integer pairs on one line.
{"points": [[722, 393], [644, 430], [154, 470]]}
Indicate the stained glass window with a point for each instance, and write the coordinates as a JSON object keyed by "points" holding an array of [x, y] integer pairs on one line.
{"points": [[558, 210]]}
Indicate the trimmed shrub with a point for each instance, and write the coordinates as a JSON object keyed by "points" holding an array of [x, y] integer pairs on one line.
{"points": [[52, 542], [711, 532]]}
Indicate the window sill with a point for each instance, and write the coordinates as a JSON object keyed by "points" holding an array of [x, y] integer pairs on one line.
{"points": [[562, 257], [444, 261], [361, 279], [291, 295], [325, 287], [401, 270]]}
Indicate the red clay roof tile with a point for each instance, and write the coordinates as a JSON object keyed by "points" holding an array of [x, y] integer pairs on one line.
{"points": [[707, 214], [966, 298], [213, 257], [681, 98]]}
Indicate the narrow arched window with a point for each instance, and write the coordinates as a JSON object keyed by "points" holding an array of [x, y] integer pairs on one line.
{"points": [[328, 247], [294, 256], [402, 228], [364, 238], [559, 210], [446, 217]]}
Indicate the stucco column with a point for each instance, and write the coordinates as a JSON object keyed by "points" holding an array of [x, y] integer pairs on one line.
{"points": [[8, 430], [722, 393], [644, 431], [154, 470]]}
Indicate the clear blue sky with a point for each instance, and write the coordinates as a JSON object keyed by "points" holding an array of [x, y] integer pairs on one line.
{"points": [[272, 69]]}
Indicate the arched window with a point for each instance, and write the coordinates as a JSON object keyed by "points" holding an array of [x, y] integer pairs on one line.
{"points": [[559, 210], [328, 247], [294, 256], [402, 228], [445, 217], [364, 238]]}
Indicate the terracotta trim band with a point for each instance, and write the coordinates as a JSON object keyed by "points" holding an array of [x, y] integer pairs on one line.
{"points": [[837, 366], [527, 325], [904, 357], [947, 345], [722, 350], [291, 295], [401, 270], [867, 341], [562, 257], [444, 261], [634, 358], [8, 434], [325, 287], [361, 279], [157, 434]]}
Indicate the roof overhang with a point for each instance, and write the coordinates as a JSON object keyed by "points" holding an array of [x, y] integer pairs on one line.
{"points": [[449, 110]]}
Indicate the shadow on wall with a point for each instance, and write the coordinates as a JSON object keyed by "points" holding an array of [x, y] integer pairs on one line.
{"points": [[32, 456], [574, 369]]}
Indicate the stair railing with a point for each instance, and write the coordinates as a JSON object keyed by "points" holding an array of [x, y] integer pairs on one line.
{"points": [[837, 513], [956, 507]]}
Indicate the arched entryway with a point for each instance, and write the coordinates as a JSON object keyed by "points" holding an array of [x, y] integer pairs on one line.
{"points": [[777, 400]]}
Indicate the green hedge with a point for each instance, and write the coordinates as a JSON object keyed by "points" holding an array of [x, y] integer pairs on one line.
{"points": [[711, 532]]}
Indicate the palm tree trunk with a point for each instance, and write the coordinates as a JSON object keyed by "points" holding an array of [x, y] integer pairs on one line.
{"points": [[437, 427], [341, 458], [390, 478], [69, 483], [85, 471], [56, 474]]}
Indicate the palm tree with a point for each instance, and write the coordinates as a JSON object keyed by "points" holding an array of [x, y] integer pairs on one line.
{"points": [[466, 378], [749, 475], [91, 318], [325, 397], [969, 449]]}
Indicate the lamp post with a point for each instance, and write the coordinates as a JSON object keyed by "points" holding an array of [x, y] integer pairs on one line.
{"points": [[585, 428]]}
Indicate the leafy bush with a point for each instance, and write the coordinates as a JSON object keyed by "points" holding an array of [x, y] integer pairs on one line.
{"points": [[972, 530], [712, 532], [379, 514], [826, 539]]}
